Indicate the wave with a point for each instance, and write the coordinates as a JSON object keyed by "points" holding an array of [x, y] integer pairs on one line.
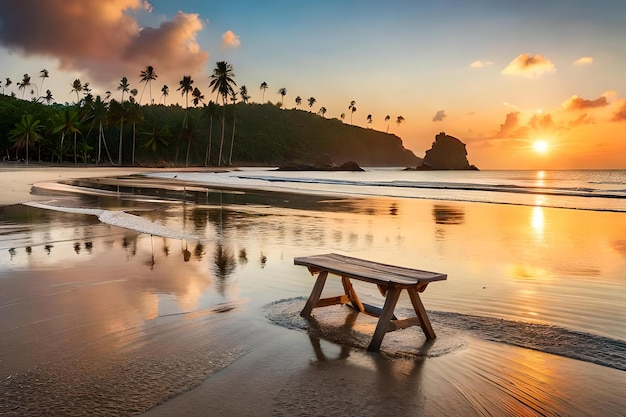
{"points": [[121, 219], [561, 191]]}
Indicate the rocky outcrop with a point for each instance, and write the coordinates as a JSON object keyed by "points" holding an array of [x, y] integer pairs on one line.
{"points": [[447, 153], [323, 163]]}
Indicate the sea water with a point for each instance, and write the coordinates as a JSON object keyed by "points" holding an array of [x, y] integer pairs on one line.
{"points": [[534, 258], [602, 190]]}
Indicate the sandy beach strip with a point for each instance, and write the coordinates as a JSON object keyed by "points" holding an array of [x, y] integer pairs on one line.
{"points": [[280, 371]]}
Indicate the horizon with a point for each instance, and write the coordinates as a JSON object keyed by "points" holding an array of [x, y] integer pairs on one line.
{"points": [[531, 86]]}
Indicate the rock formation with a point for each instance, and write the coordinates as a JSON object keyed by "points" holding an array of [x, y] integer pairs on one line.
{"points": [[447, 152]]}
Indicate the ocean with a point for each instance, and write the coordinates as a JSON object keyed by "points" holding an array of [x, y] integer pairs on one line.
{"points": [[600, 190]]}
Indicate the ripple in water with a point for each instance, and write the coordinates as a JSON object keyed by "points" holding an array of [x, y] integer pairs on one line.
{"points": [[341, 324]]}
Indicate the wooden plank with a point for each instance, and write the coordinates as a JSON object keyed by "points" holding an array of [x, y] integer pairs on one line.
{"points": [[385, 318], [420, 311], [325, 302], [369, 271], [315, 294], [403, 324]]}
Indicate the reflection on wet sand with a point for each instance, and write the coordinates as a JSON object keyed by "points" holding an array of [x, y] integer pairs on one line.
{"points": [[109, 301]]}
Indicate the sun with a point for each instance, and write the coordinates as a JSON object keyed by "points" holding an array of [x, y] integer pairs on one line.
{"points": [[541, 146]]}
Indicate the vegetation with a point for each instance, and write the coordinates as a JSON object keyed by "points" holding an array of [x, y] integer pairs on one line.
{"points": [[250, 133]]}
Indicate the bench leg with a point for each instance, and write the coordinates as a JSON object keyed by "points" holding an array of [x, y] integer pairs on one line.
{"points": [[315, 294], [349, 290], [385, 318], [420, 311]]}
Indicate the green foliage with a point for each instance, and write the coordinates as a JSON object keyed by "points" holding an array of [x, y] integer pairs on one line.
{"points": [[265, 134]]}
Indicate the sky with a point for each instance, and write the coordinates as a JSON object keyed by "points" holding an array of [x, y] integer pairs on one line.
{"points": [[538, 84]]}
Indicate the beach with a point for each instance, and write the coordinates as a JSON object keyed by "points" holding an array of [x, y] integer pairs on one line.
{"points": [[97, 319]]}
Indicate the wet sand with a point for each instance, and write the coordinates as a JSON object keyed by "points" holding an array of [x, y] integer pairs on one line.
{"points": [[98, 320]]}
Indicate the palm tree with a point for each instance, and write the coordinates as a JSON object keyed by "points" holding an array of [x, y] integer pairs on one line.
{"points": [[399, 120], [369, 119], [26, 129], [24, 84], [352, 109], [99, 112], [77, 87], [322, 111], [387, 118], [66, 123], [48, 97], [264, 87], [7, 83], [43, 74], [146, 77], [165, 91], [185, 87], [157, 138], [311, 101], [283, 93], [124, 87], [198, 97], [222, 82], [298, 101], [243, 91]]}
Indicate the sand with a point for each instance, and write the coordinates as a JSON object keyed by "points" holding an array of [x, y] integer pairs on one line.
{"points": [[239, 364]]}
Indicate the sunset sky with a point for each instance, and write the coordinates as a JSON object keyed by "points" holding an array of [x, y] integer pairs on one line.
{"points": [[499, 75]]}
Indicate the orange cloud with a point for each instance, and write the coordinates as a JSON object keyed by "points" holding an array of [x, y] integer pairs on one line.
{"points": [[583, 119], [540, 124], [230, 39], [510, 128], [585, 60], [101, 38], [528, 65], [578, 103], [620, 115]]}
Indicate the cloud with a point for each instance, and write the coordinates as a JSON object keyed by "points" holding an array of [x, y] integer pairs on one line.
{"points": [[583, 119], [578, 103], [480, 64], [539, 124], [585, 60], [620, 115], [439, 116], [101, 38], [528, 65], [231, 40]]}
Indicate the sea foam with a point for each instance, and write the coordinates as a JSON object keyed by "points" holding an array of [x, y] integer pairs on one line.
{"points": [[120, 219]]}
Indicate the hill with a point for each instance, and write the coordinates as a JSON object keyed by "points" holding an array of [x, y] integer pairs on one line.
{"points": [[170, 135]]}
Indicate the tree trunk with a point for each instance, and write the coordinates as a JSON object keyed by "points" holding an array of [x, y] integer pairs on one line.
{"points": [[207, 158], [232, 140], [99, 143], [119, 156], [134, 143], [219, 161], [75, 160]]}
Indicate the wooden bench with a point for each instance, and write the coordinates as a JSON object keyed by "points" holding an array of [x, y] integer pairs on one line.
{"points": [[391, 280]]}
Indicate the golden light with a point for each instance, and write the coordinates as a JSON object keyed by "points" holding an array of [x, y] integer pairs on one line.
{"points": [[541, 146]]}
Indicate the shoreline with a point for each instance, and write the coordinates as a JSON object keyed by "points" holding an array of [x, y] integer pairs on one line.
{"points": [[281, 371]]}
